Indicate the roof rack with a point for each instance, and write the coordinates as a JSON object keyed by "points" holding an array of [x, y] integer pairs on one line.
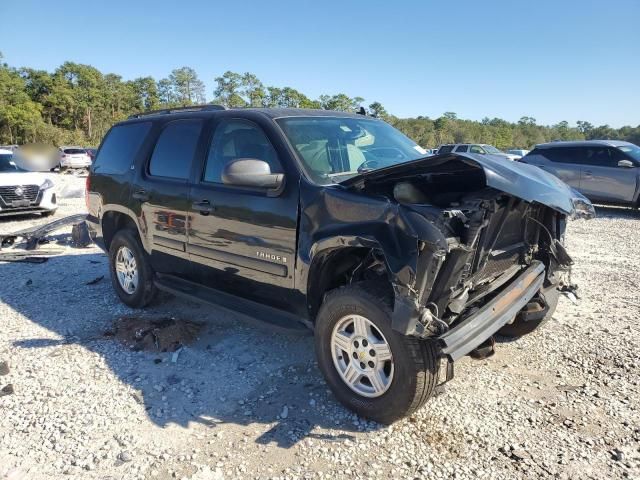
{"points": [[191, 108]]}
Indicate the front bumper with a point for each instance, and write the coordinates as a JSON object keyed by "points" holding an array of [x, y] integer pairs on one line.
{"points": [[45, 201], [480, 326]]}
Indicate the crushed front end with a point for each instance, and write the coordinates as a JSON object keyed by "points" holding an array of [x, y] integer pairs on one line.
{"points": [[488, 255]]}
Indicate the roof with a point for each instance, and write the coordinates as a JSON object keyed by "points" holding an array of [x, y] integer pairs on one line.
{"points": [[4, 151], [584, 143], [272, 113]]}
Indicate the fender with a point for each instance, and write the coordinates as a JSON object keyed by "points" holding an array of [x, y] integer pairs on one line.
{"points": [[334, 218]]}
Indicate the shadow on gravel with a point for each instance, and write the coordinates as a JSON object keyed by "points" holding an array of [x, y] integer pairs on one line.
{"points": [[235, 373]]}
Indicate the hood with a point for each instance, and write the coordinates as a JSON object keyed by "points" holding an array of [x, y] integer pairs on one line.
{"points": [[520, 180], [8, 179]]}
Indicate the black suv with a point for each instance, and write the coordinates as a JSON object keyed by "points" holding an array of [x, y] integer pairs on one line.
{"points": [[400, 263]]}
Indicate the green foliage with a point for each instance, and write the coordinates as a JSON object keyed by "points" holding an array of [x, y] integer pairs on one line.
{"points": [[76, 104]]}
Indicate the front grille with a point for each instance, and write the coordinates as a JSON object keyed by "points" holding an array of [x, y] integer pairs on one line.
{"points": [[19, 192], [499, 264]]}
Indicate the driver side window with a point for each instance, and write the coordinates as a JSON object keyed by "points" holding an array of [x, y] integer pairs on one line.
{"points": [[477, 149], [234, 139]]}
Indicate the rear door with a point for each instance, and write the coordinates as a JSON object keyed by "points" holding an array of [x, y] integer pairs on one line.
{"points": [[241, 240], [563, 162], [602, 179], [160, 195]]}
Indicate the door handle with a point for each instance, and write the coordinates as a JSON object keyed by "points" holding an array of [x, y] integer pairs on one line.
{"points": [[141, 195], [203, 206], [587, 173]]}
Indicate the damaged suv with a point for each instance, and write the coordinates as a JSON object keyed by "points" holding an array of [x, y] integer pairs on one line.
{"points": [[400, 263]]}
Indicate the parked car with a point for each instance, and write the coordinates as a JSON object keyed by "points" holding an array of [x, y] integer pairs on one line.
{"points": [[477, 148], [22, 191], [604, 171], [74, 157], [518, 153], [399, 263]]}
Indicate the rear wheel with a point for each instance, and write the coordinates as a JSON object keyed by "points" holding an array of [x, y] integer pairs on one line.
{"points": [[373, 370], [131, 274]]}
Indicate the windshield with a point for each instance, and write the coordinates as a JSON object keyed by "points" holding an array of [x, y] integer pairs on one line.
{"points": [[74, 151], [491, 149], [632, 150], [6, 164], [335, 149]]}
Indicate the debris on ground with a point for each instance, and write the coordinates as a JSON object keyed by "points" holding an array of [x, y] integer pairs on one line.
{"points": [[174, 357], [80, 235], [4, 368], [164, 334], [6, 390], [95, 280], [34, 236]]}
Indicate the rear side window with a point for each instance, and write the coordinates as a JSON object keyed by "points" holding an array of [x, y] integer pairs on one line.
{"points": [[462, 148], [175, 148], [120, 148], [445, 149], [563, 155]]}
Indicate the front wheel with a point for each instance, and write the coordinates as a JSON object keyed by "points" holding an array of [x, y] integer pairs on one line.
{"points": [[373, 370], [131, 274]]}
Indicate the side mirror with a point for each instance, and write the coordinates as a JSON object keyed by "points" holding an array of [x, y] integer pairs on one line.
{"points": [[250, 172], [625, 164]]}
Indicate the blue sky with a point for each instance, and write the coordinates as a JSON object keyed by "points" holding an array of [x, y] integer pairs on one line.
{"points": [[552, 60]]}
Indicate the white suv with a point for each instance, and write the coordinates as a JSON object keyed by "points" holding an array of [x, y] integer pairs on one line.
{"points": [[74, 157], [479, 148], [22, 191]]}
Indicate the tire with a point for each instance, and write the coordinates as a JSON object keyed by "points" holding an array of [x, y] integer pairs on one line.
{"points": [[519, 327], [143, 290], [414, 362], [49, 213]]}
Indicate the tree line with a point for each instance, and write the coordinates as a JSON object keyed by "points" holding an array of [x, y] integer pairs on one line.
{"points": [[76, 104]]}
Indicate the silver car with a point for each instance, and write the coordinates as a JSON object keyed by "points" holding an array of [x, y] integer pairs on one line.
{"points": [[479, 148], [604, 171]]}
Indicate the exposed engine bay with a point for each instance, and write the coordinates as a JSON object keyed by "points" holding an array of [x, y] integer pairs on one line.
{"points": [[489, 238]]}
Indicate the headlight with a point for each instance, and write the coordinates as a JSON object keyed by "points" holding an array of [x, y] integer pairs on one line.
{"points": [[46, 185], [582, 207]]}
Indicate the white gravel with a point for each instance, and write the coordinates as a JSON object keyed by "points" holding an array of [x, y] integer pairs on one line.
{"points": [[244, 402]]}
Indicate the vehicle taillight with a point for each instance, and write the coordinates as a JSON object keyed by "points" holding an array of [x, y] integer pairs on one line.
{"points": [[86, 191]]}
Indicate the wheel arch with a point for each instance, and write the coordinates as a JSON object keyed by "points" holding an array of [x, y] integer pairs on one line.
{"points": [[335, 261], [114, 220]]}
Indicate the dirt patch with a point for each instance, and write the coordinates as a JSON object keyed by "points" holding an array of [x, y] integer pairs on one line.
{"points": [[164, 334]]}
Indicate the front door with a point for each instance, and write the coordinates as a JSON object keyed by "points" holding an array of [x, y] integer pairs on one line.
{"points": [[241, 240], [161, 195]]}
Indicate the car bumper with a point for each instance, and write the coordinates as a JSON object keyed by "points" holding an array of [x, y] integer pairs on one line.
{"points": [[480, 326], [95, 231], [46, 201], [75, 163]]}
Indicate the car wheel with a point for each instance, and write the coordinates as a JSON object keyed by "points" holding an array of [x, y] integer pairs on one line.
{"points": [[373, 370], [520, 327], [131, 274], [48, 213]]}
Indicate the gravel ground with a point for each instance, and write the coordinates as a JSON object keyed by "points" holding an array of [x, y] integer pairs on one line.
{"points": [[245, 402]]}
